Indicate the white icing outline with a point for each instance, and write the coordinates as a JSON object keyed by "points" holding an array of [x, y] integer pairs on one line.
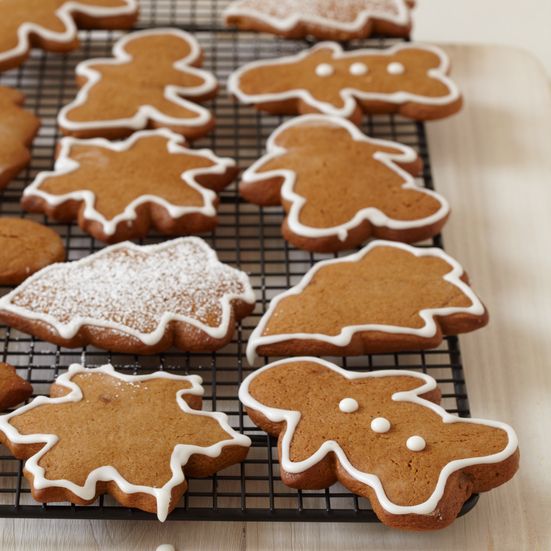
{"points": [[69, 330], [180, 454], [402, 18], [348, 95], [65, 13], [145, 113], [345, 336], [373, 215], [292, 418], [176, 144]]}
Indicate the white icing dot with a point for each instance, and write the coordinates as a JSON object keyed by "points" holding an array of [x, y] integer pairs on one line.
{"points": [[380, 425], [358, 69], [396, 68], [416, 443], [324, 70], [348, 405]]}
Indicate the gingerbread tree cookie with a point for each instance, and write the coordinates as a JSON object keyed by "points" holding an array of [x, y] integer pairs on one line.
{"points": [[117, 191], [147, 84], [52, 24], [326, 19], [406, 79], [387, 297], [134, 299], [130, 436], [17, 131], [365, 189], [380, 434]]}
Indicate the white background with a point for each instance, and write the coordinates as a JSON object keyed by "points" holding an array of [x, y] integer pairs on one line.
{"points": [[521, 23]]}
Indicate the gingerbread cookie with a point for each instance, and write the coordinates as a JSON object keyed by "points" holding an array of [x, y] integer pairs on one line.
{"points": [[325, 19], [148, 84], [387, 297], [366, 187], [118, 191], [25, 248], [17, 131], [52, 24], [94, 436], [134, 299], [381, 435], [406, 79], [13, 388]]}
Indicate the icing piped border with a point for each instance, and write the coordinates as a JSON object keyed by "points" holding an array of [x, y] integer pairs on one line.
{"points": [[180, 454], [373, 215], [176, 144], [292, 418], [145, 112], [348, 95], [69, 330], [345, 336]]}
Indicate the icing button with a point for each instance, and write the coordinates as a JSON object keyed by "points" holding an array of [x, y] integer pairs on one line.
{"points": [[396, 68], [358, 69], [416, 443], [380, 425], [348, 405], [324, 70]]}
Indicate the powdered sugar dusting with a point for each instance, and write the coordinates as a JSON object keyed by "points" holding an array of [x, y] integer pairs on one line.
{"points": [[134, 287], [337, 10]]}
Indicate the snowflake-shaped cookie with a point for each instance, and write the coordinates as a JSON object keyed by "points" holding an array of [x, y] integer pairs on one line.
{"points": [[132, 436], [17, 130], [409, 79], [326, 19], [365, 188], [52, 24], [119, 190], [135, 299], [387, 297], [382, 435], [147, 84]]}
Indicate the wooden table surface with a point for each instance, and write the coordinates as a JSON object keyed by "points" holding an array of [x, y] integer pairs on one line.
{"points": [[493, 162]]}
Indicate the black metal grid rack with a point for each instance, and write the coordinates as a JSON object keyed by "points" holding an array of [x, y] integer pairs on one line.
{"points": [[247, 237]]}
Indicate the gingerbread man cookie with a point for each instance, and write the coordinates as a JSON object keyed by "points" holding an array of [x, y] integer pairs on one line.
{"points": [[25, 248], [366, 187], [406, 79], [117, 191], [13, 388], [52, 24], [387, 297], [380, 434], [325, 19], [17, 131], [147, 84], [134, 299], [94, 436]]}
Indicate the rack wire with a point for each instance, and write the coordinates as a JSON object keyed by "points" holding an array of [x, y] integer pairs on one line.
{"points": [[247, 237]]}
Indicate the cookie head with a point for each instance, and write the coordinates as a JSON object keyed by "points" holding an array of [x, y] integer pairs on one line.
{"points": [[392, 444]]}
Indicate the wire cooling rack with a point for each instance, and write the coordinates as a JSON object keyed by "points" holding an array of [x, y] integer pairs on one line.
{"points": [[247, 237]]}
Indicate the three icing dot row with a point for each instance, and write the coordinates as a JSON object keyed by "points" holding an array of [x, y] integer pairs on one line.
{"points": [[359, 69], [382, 425]]}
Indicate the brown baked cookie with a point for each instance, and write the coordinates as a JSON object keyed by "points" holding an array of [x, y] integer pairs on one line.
{"points": [[409, 79], [13, 388], [17, 131], [134, 299], [388, 297], [381, 435], [52, 24], [118, 191], [148, 83], [365, 189], [130, 436], [25, 248], [322, 19]]}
